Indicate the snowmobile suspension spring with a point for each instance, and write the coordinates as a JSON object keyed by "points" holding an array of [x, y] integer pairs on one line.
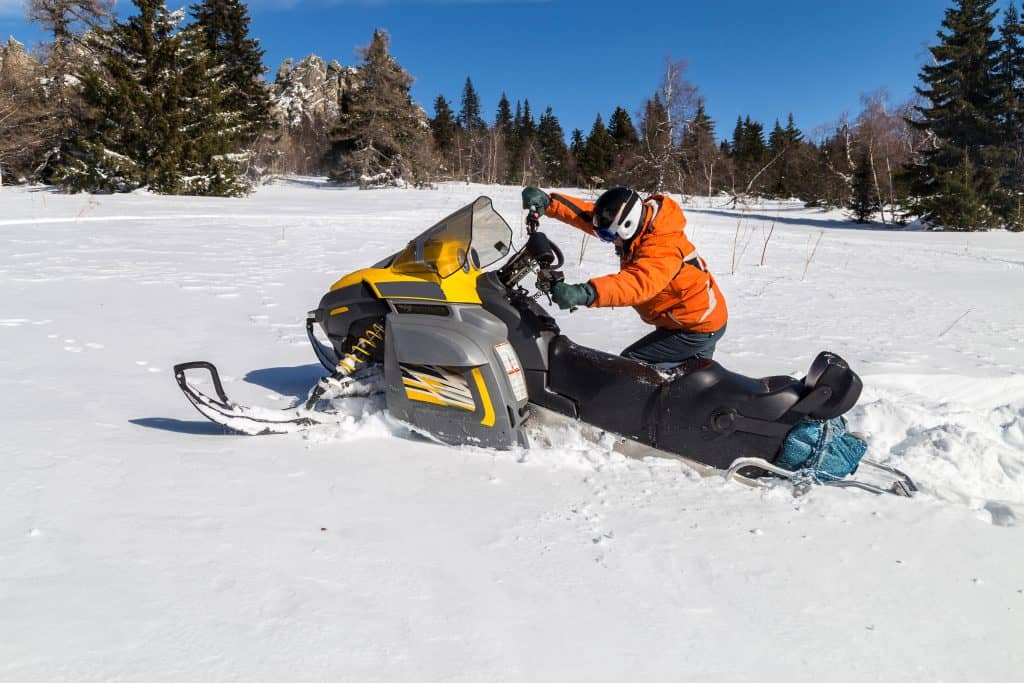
{"points": [[362, 350]]}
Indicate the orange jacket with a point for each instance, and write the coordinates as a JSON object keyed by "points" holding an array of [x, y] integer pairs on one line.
{"points": [[662, 275]]}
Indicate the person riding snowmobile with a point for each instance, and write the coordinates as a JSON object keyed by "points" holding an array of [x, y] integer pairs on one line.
{"points": [[662, 276]]}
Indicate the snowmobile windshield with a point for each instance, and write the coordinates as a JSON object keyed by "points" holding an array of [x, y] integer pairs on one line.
{"points": [[475, 236]]}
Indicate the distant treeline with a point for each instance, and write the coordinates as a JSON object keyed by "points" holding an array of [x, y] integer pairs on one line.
{"points": [[178, 104]]}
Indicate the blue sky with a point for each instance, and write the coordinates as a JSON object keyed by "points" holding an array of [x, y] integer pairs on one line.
{"points": [[814, 58]]}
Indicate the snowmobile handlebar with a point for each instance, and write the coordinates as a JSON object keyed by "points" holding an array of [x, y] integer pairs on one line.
{"points": [[532, 220], [540, 253]]}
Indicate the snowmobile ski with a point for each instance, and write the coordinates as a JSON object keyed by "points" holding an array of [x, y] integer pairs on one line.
{"points": [[252, 420], [324, 353]]}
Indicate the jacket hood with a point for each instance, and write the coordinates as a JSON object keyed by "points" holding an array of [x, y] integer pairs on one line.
{"points": [[670, 218]]}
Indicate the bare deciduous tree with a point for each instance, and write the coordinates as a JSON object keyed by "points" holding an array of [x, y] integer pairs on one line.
{"points": [[26, 124]]}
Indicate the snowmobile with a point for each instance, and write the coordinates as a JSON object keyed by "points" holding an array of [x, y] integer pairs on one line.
{"points": [[469, 356]]}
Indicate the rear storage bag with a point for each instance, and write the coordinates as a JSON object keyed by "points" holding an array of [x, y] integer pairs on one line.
{"points": [[822, 449]]}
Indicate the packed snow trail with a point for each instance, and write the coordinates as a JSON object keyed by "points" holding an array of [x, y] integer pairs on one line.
{"points": [[151, 546]]}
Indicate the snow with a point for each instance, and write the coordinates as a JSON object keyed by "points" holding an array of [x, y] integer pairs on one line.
{"points": [[138, 543]]}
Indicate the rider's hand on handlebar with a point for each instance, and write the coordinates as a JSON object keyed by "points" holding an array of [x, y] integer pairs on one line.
{"points": [[535, 198], [571, 296]]}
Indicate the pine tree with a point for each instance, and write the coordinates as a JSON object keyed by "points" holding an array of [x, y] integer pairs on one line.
{"points": [[153, 112], [224, 28], [793, 134], [211, 147], [503, 117], [514, 147], [522, 163], [621, 128], [1011, 74], [738, 136], [964, 199], [776, 139], [499, 143], [753, 141], [577, 149], [598, 154], [701, 124], [554, 155], [749, 155], [469, 116], [864, 202], [473, 128], [527, 126], [443, 126], [698, 152], [957, 183], [444, 131], [784, 150], [381, 137]]}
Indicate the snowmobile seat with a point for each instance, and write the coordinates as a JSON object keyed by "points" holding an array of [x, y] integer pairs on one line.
{"points": [[615, 393], [838, 386]]}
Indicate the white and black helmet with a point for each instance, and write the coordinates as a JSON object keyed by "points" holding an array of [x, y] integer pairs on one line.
{"points": [[618, 213]]}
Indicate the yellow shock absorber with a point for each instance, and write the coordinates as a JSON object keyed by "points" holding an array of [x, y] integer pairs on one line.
{"points": [[360, 352]]}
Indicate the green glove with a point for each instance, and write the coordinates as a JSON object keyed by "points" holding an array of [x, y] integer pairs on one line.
{"points": [[537, 198], [571, 296]]}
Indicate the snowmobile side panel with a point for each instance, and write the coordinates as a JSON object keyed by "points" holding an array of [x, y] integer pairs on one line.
{"points": [[446, 376], [530, 328], [436, 340]]}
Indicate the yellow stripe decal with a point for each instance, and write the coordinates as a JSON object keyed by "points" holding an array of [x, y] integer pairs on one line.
{"points": [[419, 391], [417, 395], [488, 420], [339, 309]]}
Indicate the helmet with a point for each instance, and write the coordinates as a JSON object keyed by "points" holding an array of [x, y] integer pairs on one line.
{"points": [[617, 213]]}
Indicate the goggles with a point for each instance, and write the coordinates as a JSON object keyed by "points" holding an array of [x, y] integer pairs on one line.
{"points": [[606, 234]]}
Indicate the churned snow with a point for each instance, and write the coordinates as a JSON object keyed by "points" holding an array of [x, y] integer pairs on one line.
{"points": [[140, 543]]}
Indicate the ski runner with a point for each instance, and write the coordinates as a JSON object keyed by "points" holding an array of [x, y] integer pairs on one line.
{"points": [[662, 276]]}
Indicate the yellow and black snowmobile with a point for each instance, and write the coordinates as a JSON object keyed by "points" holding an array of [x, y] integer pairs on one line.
{"points": [[469, 357]]}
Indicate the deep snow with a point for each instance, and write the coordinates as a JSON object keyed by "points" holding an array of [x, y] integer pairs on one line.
{"points": [[137, 542]]}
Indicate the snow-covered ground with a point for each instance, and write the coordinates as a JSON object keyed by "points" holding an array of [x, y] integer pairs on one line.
{"points": [[139, 543]]}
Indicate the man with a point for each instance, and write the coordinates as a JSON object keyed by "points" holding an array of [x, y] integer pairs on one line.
{"points": [[661, 276]]}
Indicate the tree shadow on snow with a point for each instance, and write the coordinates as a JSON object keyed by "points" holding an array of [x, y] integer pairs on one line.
{"points": [[770, 217], [315, 182]]}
